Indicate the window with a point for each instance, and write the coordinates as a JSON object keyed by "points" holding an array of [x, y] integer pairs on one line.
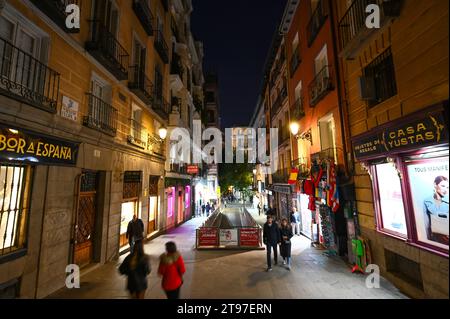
{"points": [[14, 206], [328, 136], [210, 97], [211, 116], [139, 54], [379, 78], [136, 122], [391, 212], [158, 83], [321, 62]]}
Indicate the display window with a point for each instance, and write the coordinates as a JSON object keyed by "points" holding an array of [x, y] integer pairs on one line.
{"points": [[389, 200]]}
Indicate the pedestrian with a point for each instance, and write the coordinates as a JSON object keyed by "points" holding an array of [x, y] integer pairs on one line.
{"points": [[208, 208], [293, 220], [136, 266], [297, 218], [285, 246], [271, 238], [203, 209], [135, 231], [171, 269]]}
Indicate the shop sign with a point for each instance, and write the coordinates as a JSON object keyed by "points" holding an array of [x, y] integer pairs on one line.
{"points": [[282, 189], [192, 169], [228, 237], [208, 236], [69, 108], [23, 146], [412, 133], [249, 237]]}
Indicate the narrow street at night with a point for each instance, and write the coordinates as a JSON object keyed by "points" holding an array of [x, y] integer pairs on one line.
{"points": [[234, 274]]}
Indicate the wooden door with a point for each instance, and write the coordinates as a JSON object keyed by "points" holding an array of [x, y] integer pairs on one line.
{"points": [[84, 230]]}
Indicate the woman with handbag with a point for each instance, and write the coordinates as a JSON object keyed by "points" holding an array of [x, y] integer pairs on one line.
{"points": [[171, 269], [136, 266], [285, 246]]}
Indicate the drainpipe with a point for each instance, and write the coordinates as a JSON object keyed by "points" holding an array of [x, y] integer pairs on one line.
{"points": [[42, 234], [342, 102]]}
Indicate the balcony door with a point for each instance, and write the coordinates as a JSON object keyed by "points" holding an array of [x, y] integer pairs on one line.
{"points": [[321, 61], [107, 12]]}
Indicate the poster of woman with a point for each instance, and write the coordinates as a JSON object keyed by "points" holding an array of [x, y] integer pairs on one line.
{"points": [[430, 194]]}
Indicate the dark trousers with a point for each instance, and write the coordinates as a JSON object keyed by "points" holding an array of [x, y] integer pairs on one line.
{"points": [[173, 294], [269, 248]]}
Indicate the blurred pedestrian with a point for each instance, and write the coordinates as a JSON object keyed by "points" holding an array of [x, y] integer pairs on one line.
{"points": [[135, 231], [171, 269], [136, 266], [208, 209], [285, 245], [203, 209], [293, 220], [271, 238]]}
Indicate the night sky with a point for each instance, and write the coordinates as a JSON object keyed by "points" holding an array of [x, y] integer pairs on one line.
{"points": [[237, 35]]}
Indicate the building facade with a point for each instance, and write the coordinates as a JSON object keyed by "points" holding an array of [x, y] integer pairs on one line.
{"points": [[82, 150], [396, 101]]}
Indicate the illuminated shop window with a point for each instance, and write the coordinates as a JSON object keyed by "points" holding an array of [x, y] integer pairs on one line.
{"points": [[391, 208], [14, 187]]}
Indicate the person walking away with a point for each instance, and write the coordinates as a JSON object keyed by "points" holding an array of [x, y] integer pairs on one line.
{"points": [[271, 238], [203, 209], [135, 231], [171, 269], [136, 266], [208, 208], [293, 220], [297, 218], [285, 246]]}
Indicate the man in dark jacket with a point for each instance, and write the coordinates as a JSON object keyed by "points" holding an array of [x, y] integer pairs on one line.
{"points": [[271, 238], [135, 231]]}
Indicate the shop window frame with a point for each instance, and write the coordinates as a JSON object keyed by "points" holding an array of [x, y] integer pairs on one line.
{"points": [[401, 162]]}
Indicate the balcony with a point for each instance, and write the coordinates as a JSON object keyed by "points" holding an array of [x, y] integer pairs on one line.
{"points": [[161, 46], [144, 14], [318, 18], [281, 176], [320, 86], [56, 10], [161, 107], [283, 135], [295, 61], [297, 109], [104, 46], [101, 116], [352, 27], [24, 78], [136, 134], [179, 168], [276, 106], [140, 84]]}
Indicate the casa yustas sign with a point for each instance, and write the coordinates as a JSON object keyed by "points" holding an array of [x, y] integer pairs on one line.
{"points": [[24, 146], [412, 133]]}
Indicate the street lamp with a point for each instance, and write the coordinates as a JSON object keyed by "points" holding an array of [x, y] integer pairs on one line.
{"points": [[294, 127], [162, 132]]}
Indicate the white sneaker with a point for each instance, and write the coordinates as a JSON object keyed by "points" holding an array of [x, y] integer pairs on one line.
{"points": [[284, 262]]}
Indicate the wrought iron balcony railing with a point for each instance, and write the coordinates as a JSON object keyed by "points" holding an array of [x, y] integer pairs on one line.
{"points": [[295, 61], [283, 134], [56, 10], [161, 46], [25, 78], [353, 23], [281, 176], [321, 85], [101, 116], [104, 46], [297, 110], [144, 14], [180, 168], [276, 106], [161, 106], [318, 18], [140, 84]]}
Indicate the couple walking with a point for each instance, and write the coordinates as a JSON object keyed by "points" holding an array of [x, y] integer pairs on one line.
{"points": [[274, 235], [136, 267]]}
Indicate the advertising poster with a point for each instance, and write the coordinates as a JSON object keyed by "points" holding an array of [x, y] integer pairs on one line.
{"points": [[429, 192], [249, 237], [228, 237], [208, 236]]}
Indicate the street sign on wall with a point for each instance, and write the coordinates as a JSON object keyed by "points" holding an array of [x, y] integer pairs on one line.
{"points": [[208, 236]]}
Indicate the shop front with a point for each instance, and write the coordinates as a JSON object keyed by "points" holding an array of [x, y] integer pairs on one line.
{"points": [[178, 192], [408, 164], [153, 204], [132, 186]]}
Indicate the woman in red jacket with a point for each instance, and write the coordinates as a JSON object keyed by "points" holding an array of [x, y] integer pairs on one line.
{"points": [[171, 268]]}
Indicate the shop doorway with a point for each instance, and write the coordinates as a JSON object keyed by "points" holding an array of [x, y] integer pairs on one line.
{"points": [[180, 202], [153, 204], [85, 219], [132, 183], [126, 215]]}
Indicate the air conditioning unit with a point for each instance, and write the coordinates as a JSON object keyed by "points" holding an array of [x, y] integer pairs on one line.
{"points": [[367, 88]]}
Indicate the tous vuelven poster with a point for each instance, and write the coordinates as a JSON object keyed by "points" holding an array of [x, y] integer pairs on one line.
{"points": [[429, 191]]}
